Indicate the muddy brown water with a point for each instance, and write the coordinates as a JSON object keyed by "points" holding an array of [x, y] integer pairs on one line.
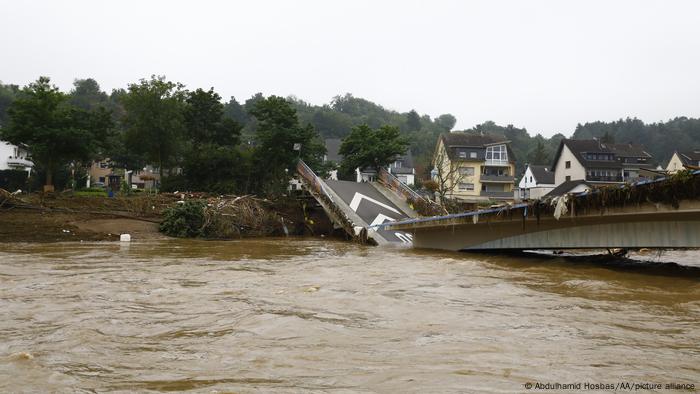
{"points": [[294, 315]]}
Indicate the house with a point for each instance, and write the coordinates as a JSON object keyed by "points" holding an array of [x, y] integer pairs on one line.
{"points": [[536, 182], [13, 157], [600, 163], [689, 160], [474, 167], [333, 155], [402, 167], [99, 172]]}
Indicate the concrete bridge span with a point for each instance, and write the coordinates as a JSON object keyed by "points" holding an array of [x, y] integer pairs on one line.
{"points": [[646, 225]]}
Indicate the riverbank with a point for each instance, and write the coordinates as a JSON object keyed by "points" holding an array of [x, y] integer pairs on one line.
{"points": [[61, 218]]}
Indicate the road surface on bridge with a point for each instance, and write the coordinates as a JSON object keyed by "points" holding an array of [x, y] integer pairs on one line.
{"points": [[371, 206]]}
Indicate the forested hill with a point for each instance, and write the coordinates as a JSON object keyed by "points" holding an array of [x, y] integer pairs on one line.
{"points": [[337, 118], [659, 139]]}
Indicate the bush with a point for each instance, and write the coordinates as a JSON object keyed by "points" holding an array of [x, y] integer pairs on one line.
{"points": [[184, 220]]}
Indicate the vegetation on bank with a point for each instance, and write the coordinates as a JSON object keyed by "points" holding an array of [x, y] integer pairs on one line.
{"points": [[227, 146]]}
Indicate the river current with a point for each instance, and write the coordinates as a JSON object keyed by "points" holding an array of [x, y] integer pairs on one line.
{"points": [[298, 315]]}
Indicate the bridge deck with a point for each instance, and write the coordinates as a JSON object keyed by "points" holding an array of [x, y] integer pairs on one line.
{"points": [[632, 221]]}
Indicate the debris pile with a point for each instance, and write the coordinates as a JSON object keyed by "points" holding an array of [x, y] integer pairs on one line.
{"points": [[222, 217]]}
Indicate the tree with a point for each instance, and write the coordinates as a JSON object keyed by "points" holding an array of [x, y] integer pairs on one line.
{"points": [[539, 154], [447, 175], [374, 148], [234, 110], [278, 132], [413, 121], [446, 121], [8, 93], [155, 120], [54, 131], [211, 163], [86, 94]]}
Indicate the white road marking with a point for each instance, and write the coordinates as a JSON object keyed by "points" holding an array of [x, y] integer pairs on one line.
{"points": [[381, 218], [357, 198]]}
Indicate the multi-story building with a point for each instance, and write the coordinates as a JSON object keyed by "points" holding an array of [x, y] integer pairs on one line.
{"points": [[474, 167], [597, 162], [13, 157]]}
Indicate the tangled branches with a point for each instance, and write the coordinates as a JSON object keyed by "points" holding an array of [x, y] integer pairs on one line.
{"points": [[221, 218]]}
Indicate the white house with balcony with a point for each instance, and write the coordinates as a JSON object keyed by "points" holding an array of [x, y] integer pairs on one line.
{"points": [[13, 157]]}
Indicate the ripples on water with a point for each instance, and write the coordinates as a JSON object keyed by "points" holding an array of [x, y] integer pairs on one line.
{"points": [[308, 315]]}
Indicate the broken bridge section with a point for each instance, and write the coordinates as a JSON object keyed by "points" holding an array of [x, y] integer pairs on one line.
{"points": [[372, 206], [357, 207]]}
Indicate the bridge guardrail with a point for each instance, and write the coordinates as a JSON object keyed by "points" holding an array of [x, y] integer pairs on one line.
{"points": [[318, 189], [392, 182]]}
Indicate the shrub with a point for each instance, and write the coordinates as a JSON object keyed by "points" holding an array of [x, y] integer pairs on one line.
{"points": [[184, 220]]}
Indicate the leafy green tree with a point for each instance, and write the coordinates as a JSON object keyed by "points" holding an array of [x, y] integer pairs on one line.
{"points": [[413, 121], [155, 120], [234, 110], [539, 154], [55, 132], [446, 121], [278, 132], [374, 148], [8, 93], [212, 162], [86, 94]]}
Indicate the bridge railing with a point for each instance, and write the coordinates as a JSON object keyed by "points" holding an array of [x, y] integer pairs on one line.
{"points": [[318, 189], [312, 180], [421, 204]]}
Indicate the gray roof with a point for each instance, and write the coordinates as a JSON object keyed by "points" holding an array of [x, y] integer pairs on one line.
{"points": [[332, 148], [542, 174], [566, 187], [460, 141], [580, 147], [402, 170], [690, 158]]}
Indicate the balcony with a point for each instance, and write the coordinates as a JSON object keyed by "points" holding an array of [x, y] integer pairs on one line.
{"points": [[498, 195], [604, 178], [497, 163], [19, 162], [496, 178]]}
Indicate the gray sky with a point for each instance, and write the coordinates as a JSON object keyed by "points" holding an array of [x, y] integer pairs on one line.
{"points": [[543, 65]]}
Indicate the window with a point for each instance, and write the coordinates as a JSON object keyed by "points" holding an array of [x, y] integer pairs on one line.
{"points": [[462, 155], [472, 155], [530, 179], [102, 179], [466, 171], [568, 178], [497, 153], [567, 164], [466, 186], [104, 164]]}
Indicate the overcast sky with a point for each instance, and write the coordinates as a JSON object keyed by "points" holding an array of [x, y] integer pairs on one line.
{"points": [[543, 65]]}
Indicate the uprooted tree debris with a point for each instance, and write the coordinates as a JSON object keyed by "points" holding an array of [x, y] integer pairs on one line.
{"points": [[223, 217]]}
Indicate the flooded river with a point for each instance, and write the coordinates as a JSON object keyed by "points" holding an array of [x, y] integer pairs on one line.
{"points": [[323, 316]]}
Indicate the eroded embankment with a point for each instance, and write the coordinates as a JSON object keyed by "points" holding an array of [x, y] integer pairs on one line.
{"points": [[64, 217]]}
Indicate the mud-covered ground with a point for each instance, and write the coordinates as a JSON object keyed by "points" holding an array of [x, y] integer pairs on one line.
{"points": [[22, 225], [72, 218]]}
